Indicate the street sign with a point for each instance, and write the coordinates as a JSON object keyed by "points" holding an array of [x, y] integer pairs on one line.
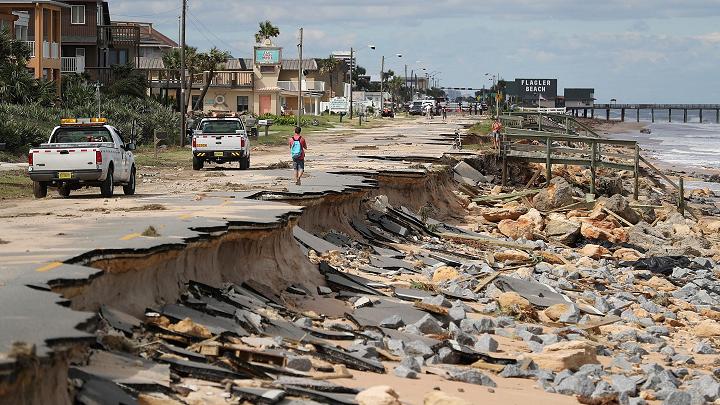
{"points": [[338, 105]]}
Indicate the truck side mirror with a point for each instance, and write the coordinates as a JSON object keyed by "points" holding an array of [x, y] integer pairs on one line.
{"points": [[130, 146]]}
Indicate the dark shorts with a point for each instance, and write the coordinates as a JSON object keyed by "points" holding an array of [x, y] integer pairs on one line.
{"points": [[298, 164], [496, 135]]}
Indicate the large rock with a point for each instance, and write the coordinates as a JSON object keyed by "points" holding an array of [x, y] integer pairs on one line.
{"points": [[707, 328], [516, 229], [565, 355], [603, 230], [561, 229], [511, 256], [513, 303], [441, 398], [558, 194], [378, 395], [445, 273], [594, 251], [619, 205], [498, 214], [627, 255], [554, 312]]}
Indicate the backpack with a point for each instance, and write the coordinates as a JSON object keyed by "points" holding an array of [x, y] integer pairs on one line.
{"points": [[296, 148]]}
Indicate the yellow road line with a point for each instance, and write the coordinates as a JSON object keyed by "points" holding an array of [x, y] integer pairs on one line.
{"points": [[131, 236], [49, 266]]}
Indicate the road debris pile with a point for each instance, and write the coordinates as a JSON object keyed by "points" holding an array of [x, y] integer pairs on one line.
{"points": [[604, 300]]}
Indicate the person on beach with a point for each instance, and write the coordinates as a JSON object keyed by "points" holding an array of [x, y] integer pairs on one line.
{"points": [[496, 128], [297, 152]]}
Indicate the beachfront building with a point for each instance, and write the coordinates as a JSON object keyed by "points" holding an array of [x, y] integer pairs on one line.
{"points": [[267, 83], [579, 98], [39, 24]]}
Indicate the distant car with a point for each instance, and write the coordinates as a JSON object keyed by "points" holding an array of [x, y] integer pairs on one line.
{"points": [[387, 112], [221, 138], [416, 109]]}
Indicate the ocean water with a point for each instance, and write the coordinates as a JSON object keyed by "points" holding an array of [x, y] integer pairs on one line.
{"points": [[691, 145]]}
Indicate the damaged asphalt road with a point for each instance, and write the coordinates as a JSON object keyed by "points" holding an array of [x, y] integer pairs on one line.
{"points": [[402, 285]]}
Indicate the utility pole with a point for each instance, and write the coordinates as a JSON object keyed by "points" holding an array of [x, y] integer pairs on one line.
{"points": [[405, 76], [300, 102], [183, 122], [351, 82], [412, 72], [382, 73]]}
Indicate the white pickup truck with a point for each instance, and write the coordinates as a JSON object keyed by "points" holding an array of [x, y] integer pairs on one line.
{"points": [[83, 153], [220, 140]]}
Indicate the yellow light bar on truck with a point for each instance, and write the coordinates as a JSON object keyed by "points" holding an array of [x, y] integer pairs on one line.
{"points": [[83, 121]]}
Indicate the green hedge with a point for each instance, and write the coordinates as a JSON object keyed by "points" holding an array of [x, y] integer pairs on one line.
{"points": [[23, 125], [305, 121]]}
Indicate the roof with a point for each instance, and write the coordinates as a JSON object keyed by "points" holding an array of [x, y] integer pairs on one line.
{"points": [[239, 64], [150, 63], [579, 94], [11, 3], [294, 64]]}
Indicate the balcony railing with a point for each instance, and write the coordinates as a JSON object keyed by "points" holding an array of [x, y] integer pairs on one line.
{"points": [[128, 35], [31, 44], [232, 79], [72, 64], [292, 85]]}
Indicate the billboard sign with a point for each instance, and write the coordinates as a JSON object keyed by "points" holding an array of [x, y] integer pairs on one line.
{"points": [[338, 104], [532, 90], [268, 56]]}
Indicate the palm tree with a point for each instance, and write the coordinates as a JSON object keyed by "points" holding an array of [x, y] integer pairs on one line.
{"points": [[266, 31], [210, 62], [395, 86], [329, 66]]}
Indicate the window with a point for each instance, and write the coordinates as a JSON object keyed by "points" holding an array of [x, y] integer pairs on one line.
{"points": [[80, 52], [243, 103], [73, 135], [194, 100], [221, 127], [77, 14]]}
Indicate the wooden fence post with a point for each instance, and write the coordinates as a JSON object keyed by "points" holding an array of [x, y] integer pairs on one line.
{"points": [[503, 151], [681, 196], [593, 156], [636, 192], [548, 162]]}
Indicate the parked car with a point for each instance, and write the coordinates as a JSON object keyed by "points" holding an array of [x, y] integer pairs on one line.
{"points": [[416, 109], [81, 153], [221, 139], [387, 112]]}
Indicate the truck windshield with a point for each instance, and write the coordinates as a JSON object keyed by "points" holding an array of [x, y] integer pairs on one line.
{"points": [[77, 135], [221, 127]]}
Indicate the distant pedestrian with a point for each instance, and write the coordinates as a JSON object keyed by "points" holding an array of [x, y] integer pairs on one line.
{"points": [[496, 128], [428, 111], [297, 152], [444, 113]]}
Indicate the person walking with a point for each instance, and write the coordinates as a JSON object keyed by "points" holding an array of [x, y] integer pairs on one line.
{"points": [[444, 113], [496, 128], [297, 152]]}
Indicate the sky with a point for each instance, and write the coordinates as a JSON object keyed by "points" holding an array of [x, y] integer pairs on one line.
{"points": [[635, 51]]}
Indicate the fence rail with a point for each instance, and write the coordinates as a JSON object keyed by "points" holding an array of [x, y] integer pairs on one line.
{"points": [[72, 64], [551, 148]]}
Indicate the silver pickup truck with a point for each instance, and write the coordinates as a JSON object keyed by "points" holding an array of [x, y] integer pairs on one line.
{"points": [[82, 153], [220, 140]]}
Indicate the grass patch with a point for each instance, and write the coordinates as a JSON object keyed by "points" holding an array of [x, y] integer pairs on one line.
{"points": [[481, 128], [15, 184], [151, 232], [12, 157], [166, 157]]}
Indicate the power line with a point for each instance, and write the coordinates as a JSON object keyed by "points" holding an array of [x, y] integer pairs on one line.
{"points": [[148, 15], [210, 31]]}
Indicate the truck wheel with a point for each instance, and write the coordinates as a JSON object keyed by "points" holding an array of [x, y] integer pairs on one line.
{"points": [[40, 189], [107, 186], [197, 163], [245, 163], [129, 188], [64, 190]]}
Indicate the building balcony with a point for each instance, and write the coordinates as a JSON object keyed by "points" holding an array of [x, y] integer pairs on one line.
{"points": [[72, 64], [31, 44], [292, 85], [118, 35], [226, 79]]}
